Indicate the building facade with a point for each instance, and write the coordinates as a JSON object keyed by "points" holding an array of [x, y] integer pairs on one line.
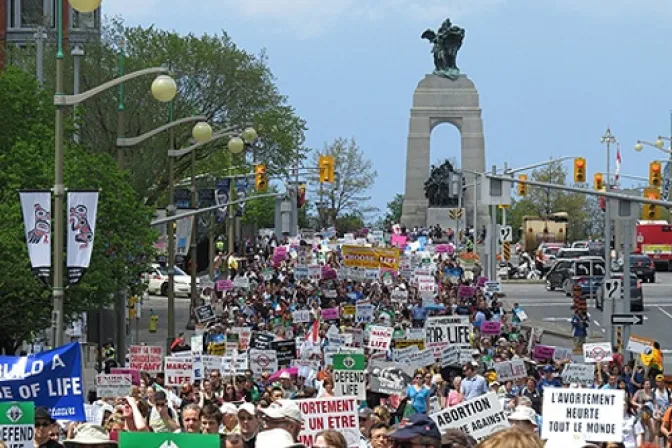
{"points": [[22, 22]]}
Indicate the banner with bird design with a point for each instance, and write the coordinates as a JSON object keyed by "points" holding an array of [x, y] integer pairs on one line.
{"points": [[36, 208], [82, 210]]}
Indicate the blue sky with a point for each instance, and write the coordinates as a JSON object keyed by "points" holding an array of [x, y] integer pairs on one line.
{"points": [[552, 74]]}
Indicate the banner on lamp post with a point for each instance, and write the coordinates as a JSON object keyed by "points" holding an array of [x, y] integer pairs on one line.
{"points": [[82, 211], [222, 192], [36, 208], [183, 234], [242, 185]]}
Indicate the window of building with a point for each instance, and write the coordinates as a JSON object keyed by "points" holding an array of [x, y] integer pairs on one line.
{"points": [[12, 14], [32, 13]]}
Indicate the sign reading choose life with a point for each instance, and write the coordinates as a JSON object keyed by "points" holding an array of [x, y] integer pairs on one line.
{"points": [[583, 414]]}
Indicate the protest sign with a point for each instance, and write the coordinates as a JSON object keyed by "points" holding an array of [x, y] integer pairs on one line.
{"points": [[444, 330], [370, 257], [639, 344], [578, 373], [211, 362], [380, 337], [510, 370], [314, 272], [233, 364], [349, 311], [244, 337], [205, 313], [17, 424], [319, 414], [491, 328], [263, 361], [349, 377], [404, 343], [223, 285], [597, 352], [389, 377], [241, 282], [261, 341], [285, 351], [135, 374], [52, 379], [301, 316], [543, 352], [404, 354], [331, 314], [113, 385], [416, 334], [455, 356], [562, 353], [422, 358], [399, 296], [146, 358], [178, 370], [168, 440], [478, 417], [583, 415], [364, 313]]}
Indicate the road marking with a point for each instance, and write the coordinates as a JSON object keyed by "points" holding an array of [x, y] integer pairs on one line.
{"points": [[597, 323], [557, 319], [664, 312]]}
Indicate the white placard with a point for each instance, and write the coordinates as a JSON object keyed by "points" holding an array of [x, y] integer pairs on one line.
{"points": [[578, 373], [178, 370], [638, 344], [442, 331], [380, 338], [478, 417], [113, 385], [364, 313], [583, 414], [263, 361], [301, 316], [340, 414], [562, 353], [399, 296], [146, 358], [597, 352], [510, 370], [422, 358], [404, 354]]}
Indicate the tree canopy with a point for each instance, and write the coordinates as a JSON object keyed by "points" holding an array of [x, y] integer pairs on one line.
{"points": [[123, 239]]}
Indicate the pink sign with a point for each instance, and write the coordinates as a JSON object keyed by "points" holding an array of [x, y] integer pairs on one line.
{"points": [[224, 285], [491, 328], [444, 249], [135, 374], [399, 241], [280, 251], [328, 273], [330, 314], [482, 281], [467, 291], [543, 352]]}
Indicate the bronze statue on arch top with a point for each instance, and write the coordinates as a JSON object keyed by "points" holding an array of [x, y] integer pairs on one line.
{"points": [[446, 44]]}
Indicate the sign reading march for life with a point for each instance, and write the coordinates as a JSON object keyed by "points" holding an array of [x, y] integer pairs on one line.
{"points": [[52, 379]]}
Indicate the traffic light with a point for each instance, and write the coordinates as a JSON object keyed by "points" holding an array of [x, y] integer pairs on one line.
{"points": [[260, 178], [579, 170], [301, 196], [522, 188], [654, 174], [598, 182], [650, 211], [327, 169]]}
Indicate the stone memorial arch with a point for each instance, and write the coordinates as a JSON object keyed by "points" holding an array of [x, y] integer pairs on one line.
{"points": [[443, 97]]}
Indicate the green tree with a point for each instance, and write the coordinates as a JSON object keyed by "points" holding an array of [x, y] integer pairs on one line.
{"points": [[542, 202], [393, 214], [354, 176], [215, 77], [123, 237], [349, 223]]}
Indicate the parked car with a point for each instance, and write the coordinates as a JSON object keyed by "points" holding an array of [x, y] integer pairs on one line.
{"points": [[587, 273], [573, 252], [641, 265], [636, 292], [158, 281]]}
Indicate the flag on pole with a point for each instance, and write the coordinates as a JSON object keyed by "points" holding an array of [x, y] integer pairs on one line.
{"points": [[618, 162]]}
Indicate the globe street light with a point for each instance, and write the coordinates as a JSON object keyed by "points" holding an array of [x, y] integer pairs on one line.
{"points": [[85, 6], [249, 135], [236, 145], [202, 132], [164, 88]]}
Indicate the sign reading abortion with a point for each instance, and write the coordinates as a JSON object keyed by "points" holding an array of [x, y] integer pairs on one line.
{"points": [[52, 379]]}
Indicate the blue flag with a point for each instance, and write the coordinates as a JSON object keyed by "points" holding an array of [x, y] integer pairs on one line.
{"points": [[51, 379]]}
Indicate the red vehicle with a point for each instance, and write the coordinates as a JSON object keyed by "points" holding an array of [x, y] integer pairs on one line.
{"points": [[654, 239]]}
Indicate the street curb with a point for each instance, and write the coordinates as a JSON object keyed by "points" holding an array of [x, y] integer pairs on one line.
{"points": [[561, 334], [522, 282]]}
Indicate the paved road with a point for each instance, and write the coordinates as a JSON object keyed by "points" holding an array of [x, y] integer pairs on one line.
{"points": [[159, 305], [553, 308]]}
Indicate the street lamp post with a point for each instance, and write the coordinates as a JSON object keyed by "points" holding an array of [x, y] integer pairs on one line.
{"points": [[608, 139], [660, 145], [61, 100]]}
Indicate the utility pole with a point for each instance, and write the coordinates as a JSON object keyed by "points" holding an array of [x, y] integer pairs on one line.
{"points": [[608, 139]]}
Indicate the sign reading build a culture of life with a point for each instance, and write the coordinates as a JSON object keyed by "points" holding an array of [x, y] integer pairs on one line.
{"points": [[319, 414], [583, 415], [370, 257], [478, 417], [349, 377], [17, 424], [52, 379], [146, 358], [442, 331]]}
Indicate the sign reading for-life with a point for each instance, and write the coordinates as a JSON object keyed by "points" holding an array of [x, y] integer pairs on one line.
{"points": [[348, 375], [17, 424], [442, 331], [167, 440], [505, 234]]}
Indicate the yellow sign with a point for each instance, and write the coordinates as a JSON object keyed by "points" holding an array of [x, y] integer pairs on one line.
{"points": [[349, 310], [409, 342], [370, 257]]}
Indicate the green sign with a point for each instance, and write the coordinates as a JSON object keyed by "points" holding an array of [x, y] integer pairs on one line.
{"points": [[349, 362], [167, 440], [17, 424]]}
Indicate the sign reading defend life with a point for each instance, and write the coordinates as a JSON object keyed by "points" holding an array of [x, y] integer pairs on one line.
{"points": [[349, 379], [17, 424]]}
